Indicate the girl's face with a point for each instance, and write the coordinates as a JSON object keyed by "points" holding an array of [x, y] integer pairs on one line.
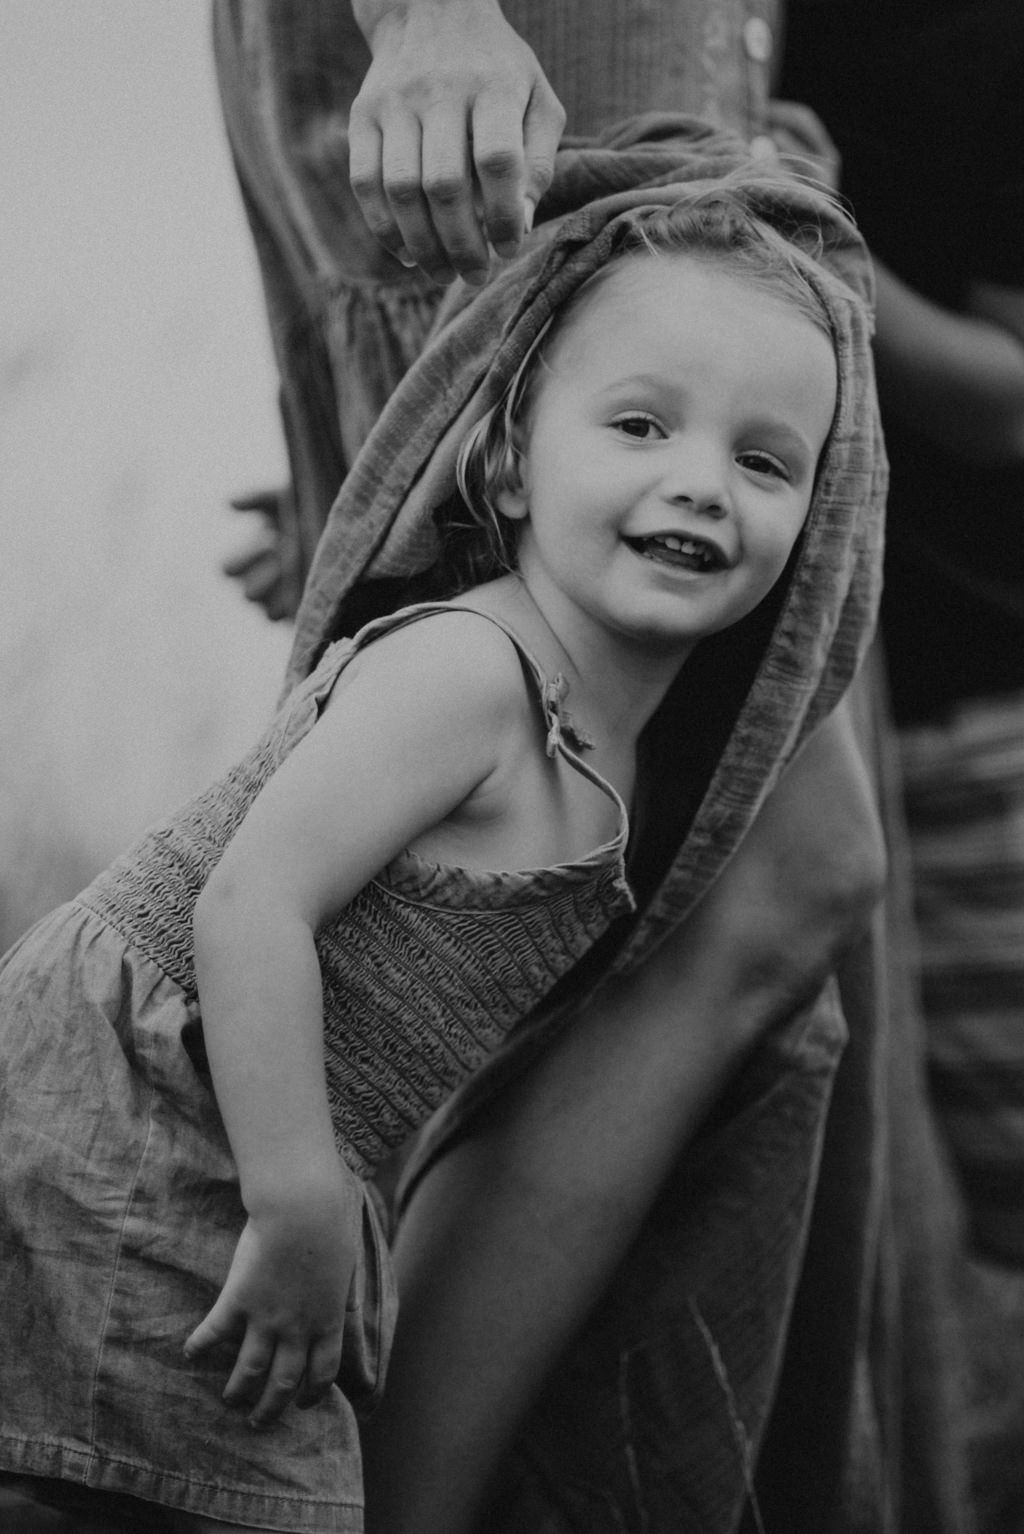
{"points": [[670, 454]]}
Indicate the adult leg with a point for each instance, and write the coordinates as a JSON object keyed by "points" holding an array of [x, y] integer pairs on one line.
{"points": [[512, 1237]]}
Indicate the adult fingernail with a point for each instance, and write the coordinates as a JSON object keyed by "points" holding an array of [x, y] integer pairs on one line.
{"points": [[529, 208], [405, 258], [506, 249], [476, 277]]}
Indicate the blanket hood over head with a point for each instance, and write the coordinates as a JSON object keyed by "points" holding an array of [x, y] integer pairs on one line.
{"points": [[747, 698]]}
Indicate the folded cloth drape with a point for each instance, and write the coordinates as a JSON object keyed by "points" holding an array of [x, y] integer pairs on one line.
{"points": [[786, 672], [775, 1354]]}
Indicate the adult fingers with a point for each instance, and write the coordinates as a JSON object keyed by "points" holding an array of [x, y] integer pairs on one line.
{"points": [[366, 174], [499, 161], [513, 155], [402, 177], [458, 242], [542, 133]]}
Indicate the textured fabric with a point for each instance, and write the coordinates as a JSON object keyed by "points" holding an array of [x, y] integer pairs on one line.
{"points": [[119, 1204], [421, 979], [346, 319], [964, 789], [119, 1214]]}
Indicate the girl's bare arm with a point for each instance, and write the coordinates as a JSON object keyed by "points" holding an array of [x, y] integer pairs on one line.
{"points": [[402, 742]]}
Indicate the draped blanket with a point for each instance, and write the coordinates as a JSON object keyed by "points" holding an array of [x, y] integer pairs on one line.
{"points": [[773, 1355], [382, 525]]}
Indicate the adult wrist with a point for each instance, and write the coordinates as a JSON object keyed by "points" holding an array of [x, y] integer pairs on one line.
{"points": [[373, 15]]}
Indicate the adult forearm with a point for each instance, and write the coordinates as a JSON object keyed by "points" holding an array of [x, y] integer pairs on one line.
{"points": [[956, 378]]}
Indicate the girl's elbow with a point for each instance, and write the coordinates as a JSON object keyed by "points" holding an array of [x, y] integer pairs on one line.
{"points": [[224, 908], [210, 914]]}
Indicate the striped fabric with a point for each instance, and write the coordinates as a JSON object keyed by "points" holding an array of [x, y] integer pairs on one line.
{"points": [[964, 787]]}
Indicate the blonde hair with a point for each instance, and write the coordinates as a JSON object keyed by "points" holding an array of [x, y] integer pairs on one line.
{"points": [[717, 225]]}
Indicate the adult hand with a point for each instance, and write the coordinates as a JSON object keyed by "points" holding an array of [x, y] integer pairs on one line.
{"points": [[269, 568], [284, 1298], [452, 136]]}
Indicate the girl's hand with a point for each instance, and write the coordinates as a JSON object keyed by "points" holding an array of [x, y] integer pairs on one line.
{"points": [[285, 1298]]}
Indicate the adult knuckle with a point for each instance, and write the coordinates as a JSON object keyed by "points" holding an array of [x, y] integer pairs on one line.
{"points": [[501, 163], [446, 188], [365, 183], [403, 190], [383, 229]]}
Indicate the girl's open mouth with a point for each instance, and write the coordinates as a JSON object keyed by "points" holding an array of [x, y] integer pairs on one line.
{"points": [[682, 552]]}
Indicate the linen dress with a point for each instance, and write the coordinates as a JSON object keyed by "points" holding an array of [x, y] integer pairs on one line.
{"points": [[120, 1205]]}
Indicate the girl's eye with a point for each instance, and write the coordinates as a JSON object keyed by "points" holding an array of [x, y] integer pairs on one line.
{"points": [[641, 428], [764, 463]]}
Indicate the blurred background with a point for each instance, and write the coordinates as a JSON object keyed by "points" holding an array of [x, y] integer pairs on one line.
{"points": [[137, 394]]}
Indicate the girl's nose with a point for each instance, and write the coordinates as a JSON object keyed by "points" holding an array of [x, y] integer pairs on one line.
{"points": [[698, 479]]}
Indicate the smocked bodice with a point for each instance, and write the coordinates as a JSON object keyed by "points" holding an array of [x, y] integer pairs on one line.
{"points": [[427, 970]]}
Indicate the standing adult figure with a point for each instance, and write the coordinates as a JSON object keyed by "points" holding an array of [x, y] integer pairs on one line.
{"points": [[932, 166], [811, 1435]]}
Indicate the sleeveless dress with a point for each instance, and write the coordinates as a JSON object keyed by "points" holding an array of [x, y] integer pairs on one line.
{"points": [[120, 1203]]}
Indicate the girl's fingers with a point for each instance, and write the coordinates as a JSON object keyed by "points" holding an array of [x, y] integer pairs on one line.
{"points": [[220, 1324], [282, 1384], [248, 1377], [322, 1367]]}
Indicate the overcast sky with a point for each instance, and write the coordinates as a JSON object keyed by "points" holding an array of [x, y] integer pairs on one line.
{"points": [[136, 395]]}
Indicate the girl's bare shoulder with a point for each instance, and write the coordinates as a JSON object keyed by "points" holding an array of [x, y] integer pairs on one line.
{"points": [[455, 662]]}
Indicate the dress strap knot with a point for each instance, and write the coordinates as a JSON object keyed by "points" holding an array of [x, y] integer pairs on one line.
{"points": [[561, 728]]}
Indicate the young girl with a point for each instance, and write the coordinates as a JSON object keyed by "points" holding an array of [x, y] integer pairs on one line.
{"points": [[206, 1054]]}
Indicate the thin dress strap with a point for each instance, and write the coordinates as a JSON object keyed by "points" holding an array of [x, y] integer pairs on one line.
{"points": [[564, 738]]}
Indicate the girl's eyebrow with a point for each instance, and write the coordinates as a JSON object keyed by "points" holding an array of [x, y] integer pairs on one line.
{"points": [[783, 434], [647, 380]]}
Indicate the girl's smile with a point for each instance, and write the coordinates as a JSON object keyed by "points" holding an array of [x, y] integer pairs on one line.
{"points": [[669, 455]]}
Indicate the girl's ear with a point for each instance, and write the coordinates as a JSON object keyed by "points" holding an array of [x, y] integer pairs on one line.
{"points": [[513, 503], [511, 496]]}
